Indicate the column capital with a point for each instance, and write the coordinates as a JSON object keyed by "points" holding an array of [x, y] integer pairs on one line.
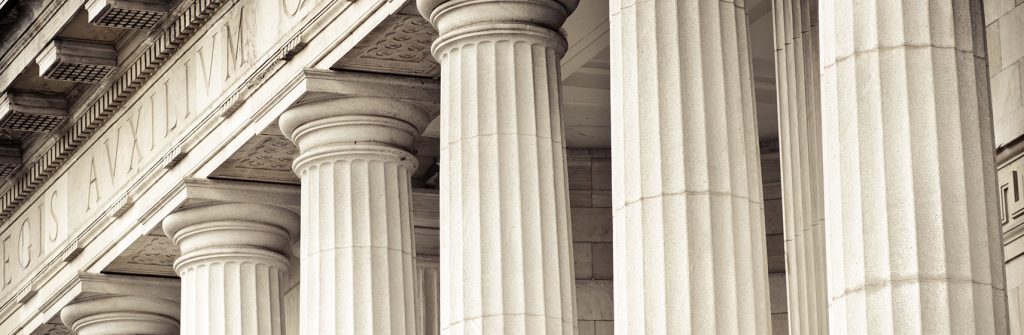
{"points": [[119, 304], [231, 225], [233, 256], [449, 15], [355, 120]]}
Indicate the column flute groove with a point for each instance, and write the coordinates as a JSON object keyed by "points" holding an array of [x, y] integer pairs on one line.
{"points": [[358, 273], [232, 266], [796, 54], [506, 246], [688, 216], [914, 244]]}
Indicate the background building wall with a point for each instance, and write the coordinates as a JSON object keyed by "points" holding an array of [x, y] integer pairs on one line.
{"points": [[1004, 20], [590, 187], [1004, 26]]}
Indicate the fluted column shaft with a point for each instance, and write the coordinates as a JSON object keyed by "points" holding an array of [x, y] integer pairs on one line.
{"points": [[798, 93], [689, 228], [910, 203], [428, 279], [506, 244], [358, 274], [232, 266]]}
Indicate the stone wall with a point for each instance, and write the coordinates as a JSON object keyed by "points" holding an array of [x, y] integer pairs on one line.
{"points": [[1004, 20], [773, 225], [1004, 27], [590, 184]]}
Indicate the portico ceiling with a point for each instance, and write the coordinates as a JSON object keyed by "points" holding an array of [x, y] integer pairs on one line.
{"points": [[400, 46]]}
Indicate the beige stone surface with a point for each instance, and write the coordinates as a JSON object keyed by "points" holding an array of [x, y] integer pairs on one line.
{"points": [[994, 52], [798, 97], [507, 259], [583, 260], [1010, 41], [602, 260], [689, 231], [358, 274], [1007, 103], [994, 9], [1006, 91], [115, 304], [913, 241], [592, 224], [232, 267], [594, 298]]}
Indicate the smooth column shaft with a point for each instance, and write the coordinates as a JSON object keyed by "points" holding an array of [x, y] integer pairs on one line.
{"points": [[506, 244], [688, 216], [914, 245], [799, 107], [232, 267]]}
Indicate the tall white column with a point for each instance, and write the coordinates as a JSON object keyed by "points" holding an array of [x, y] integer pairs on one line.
{"points": [[506, 244], [121, 304], [799, 107], [232, 266], [910, 204], [689, 226], [358, 275]]}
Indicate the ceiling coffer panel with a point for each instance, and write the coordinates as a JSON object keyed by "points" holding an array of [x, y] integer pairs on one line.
{"points": [[127, 14], [77, 61], [32, 112]]}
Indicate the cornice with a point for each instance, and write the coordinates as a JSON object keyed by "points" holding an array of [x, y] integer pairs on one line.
{"points": [[105, 104], [22, 41]]}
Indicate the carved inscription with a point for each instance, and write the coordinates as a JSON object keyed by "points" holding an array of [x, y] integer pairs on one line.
{"points": [[133, 143]]}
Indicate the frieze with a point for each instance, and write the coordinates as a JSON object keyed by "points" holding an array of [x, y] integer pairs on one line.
{"points": [[98, 112], [141, 138]]}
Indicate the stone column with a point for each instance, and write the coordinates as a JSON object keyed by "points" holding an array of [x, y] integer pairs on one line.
{"points": [[799, 107], [428, 284], [358, 275], [232, 266], [910, 203], [117, 315], [689, 225], [506, 244], [121, 304]]}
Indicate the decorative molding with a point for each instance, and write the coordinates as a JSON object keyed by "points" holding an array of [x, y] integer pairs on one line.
{"points": [[134, 74], [156, 251], [265, 157], [1011, 193], [123, 204], [274, 153], [10, 159], [152, 255], [53, 328], [399, 45], [172, 158]]}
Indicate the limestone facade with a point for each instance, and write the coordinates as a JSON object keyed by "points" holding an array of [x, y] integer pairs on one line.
{"points": [[511, 167]]}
